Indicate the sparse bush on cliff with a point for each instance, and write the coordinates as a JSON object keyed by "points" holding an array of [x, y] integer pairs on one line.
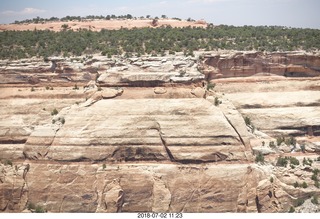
{"points": [[35, 208], [54, 112], [8, 162], [75, 87], [40, 209], [291, 141], [271, 144], [299, 202], [280, 139], [260, 158], [60, 119], [314, 200], [217, 102], [32, 89], [31, 206], [247, 120], [291, 210], [282, 162], [314, 177], [210, 86], [307, 162], [294, 161], [304, 185], [271, 179]]}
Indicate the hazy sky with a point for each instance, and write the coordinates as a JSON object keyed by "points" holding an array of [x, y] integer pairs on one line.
{"points": [[294, 13]]}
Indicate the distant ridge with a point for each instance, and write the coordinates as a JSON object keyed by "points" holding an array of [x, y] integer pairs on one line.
{"points": [[97, 23]]}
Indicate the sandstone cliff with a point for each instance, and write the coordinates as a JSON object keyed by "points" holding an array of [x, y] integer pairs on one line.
{"points": [[144, 134], [244, 64]]}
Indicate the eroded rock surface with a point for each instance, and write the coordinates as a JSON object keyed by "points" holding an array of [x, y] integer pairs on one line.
{"points": [[162, 142]]}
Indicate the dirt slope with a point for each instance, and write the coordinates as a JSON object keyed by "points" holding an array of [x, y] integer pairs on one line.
{"points": [[97, 25]]}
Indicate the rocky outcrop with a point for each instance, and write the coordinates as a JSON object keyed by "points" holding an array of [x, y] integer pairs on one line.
{"points": [[117, 71], [123, 187], [173, 147], [244, 64], [278, 107], [181, 130]]}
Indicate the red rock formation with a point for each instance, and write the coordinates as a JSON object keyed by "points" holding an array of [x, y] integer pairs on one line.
{"points": [[247, 64]]}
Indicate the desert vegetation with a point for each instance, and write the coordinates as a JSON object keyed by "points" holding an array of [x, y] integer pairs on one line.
{"points": [[155, 41]]}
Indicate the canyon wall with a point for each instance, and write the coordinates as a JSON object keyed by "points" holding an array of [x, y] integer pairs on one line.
{"points": [[97, 134]]}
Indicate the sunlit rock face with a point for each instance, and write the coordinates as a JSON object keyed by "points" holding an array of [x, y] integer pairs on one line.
{"points": [[148, 135]]}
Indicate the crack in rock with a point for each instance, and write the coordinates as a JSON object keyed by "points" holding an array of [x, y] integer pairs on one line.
{"points": [[163, 141]]}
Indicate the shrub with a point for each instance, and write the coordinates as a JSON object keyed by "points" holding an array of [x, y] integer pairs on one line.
{"points": [[316, 184], [64, 26], [217, 101], [54, 112], [247, 120], [282, 162], [303, 148], [318, 159], [271, 144], [299, 202], [104, 166], [32, 89], [304, 185], [280, 139], [271, 179], [296, 184], [47, 87], [291, 210], [210, 86], [294, 161], [99, 88], [260, 158], [182, 72], [62, 120], [40, 209], [75, 87], [307, 162], [314, 200], [290, 141], [31, 206], [8, 162]]}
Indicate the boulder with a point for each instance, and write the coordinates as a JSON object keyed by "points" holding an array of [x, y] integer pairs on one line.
{"points": [[159, 90], [198, 92]]}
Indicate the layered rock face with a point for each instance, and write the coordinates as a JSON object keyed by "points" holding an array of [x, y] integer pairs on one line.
{"points": [[137, 72], [145, 148], [250, 63], [177, 130]]}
